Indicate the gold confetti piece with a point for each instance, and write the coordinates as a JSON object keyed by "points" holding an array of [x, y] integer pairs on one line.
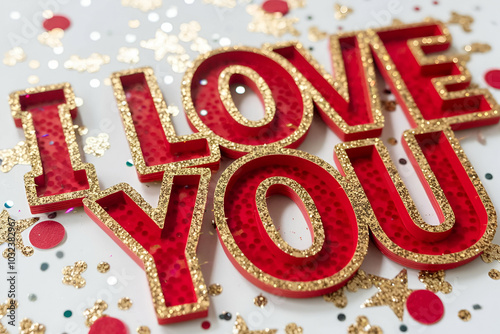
{"points": [[72, 274], [134, 24], [107, 81], [52, 38], [97, 146], [494, 274], [341, 11], [360, 281], [14, 56], [94, 313], [260, 301], [19, 226], [189, 31], [173, 110], [491, 254], [464, 315], [293, 328], [144, 5], [47, 14], [91, 64], [292, 4], [392, 141], [362, 326], [14, 156], [435, 281], [477, 47], [221, 3], [34, 64], [314, 34], [271, 23], [4, 309], [143, 330], [124, 303], [392, 292], [200, 45], [103, 267], [338, 298], [397, 22], [33, 79], [463, 20], [389, 105], [27, 326], [128, 55], [163, 44], [240, 327], [180, 63], [214, 289]]}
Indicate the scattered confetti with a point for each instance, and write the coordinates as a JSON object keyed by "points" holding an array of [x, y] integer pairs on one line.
{"points": [[103, 267], [360, 281], [189, 31], [402, 161], [492, 78], [260, 301], [314, 34], [464, 315], [491, 254], [463, 20], [47, 234], [56, 22], [14, 156], [91, 64], [272, 24], [341, 317], [4, 308], [97, 146], [67, 313], [293, 328], [435, 281], [362, 326], [389, 105], [94, 313], [32, 297], [341, 11], [276, 6], [34, 64], [162, 44], [425, 307], [392, 141], [129, 163], [124, 303], [392, 293], [20, 226], [128, 55], [52, 38], [494, 274], [27, 326], [477, 47], [221, 3], [240, 327], [205, 324], [214, 289], [488, 176], [134, 24], [108, 325], [14, 56], [144, 5], [225, 316], [338, 298], [143, 330], [179, 63], [72, 274], [33, 79]]}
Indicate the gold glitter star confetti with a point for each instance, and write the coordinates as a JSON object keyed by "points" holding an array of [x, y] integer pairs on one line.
{"points": [[124, 303], [214, 289], [491, 254], [392, 292], [128, 55], [477, 48], [6, 224], [435, 281], [163, 44], [4, 309], [143, 330], [494, 274], [52, 38], [94, 313], [464, 315], [189, 31], [361, 280], [72, 274], [97, 146], [91, 64], [341, 11], [271, 23], [27, 326], [240, 327], [260, 301], [338, 298], [362, 326], [314, 34], [103, 267], [180, 63], [144, 5], [14, 156], [14, 56], [463, 20], [221, 3], [293, 328]]}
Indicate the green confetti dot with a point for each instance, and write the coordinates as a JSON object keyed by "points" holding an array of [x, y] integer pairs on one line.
{"points": [[488, 176], [68, 313], [129, 163]]}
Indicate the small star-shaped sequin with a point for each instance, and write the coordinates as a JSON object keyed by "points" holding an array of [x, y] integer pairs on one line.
{"points": [[18, 226], [392, 292], [240, 327]]}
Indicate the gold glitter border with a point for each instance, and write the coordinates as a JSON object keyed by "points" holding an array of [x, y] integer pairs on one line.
{"points": [[60, 201], [154, 172], [416, 260], [319, 287], [165, 314]]}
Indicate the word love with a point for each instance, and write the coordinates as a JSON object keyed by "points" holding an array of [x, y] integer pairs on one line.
{"points": [[340, 206]]}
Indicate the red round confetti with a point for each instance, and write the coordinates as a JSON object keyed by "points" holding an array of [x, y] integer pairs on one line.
{"points": [[425, 307], [276, 6], [492, 78], [108, 325], [205, 324], [417, 8], [57, 21], [47, 234]]}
